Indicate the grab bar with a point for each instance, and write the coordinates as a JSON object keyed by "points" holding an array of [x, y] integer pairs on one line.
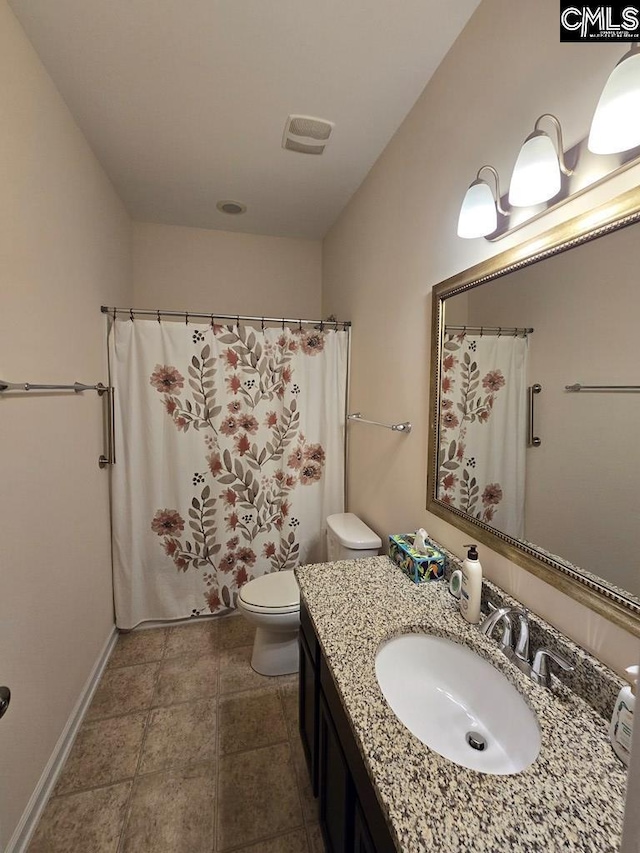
{"points": [[109, 457], [404, 427], [532, 440]]}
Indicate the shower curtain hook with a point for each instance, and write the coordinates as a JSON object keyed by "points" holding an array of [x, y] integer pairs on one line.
{"points": [[114, 315], [481, 331], [262, 324], [300, 326], [283, 324], [238, 322], [499, 331], [158, 315], [186, 318], [213, 325], [344, 328], [131, 314], [322, 325]]}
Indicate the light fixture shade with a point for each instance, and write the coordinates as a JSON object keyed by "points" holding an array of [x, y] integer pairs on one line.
{"points": [[478, 214], [616, 122], [536, 175]]}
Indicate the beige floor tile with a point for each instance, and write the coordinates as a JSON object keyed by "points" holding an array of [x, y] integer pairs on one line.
{"points": [[310, 804], [140, 646], [236, 673], [289, 695], [123, 690], [250, 720], [172, 812], [103, 753], [316, 843], [236, 631], [88, 822], [186, 678], [199, 638], [257, 789], [180, 735], [292, 842]]}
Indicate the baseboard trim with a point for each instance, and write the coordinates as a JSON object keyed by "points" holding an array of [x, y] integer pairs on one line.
{"points": [[31, 815]]}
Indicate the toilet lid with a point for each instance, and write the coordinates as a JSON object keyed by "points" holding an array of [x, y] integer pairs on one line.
{"points": [[279, 589]]}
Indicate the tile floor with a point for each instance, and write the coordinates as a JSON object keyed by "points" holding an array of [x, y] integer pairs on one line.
{"points": [[185, 749]]}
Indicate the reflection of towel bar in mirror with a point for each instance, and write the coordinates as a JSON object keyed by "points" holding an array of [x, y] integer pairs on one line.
{"points": [[578, 387], [403, 427], [532, 440]]}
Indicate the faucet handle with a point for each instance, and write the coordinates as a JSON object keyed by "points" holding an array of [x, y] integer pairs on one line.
{"points": [[540, 668]]}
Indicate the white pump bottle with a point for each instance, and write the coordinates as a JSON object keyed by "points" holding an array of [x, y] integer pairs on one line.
{"points": [[471, 588]]}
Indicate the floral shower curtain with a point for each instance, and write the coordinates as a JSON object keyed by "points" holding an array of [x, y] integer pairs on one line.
{"points": [[229, 449], [483, 409]]}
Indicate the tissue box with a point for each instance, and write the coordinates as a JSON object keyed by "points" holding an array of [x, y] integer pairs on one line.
{"points": [[416, 565]]}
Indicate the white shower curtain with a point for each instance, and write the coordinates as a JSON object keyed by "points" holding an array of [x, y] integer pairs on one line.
{"points": [[229, 457], [483, 409]]}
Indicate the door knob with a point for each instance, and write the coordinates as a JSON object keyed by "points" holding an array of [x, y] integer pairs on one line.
{"points": [[5, 698]]}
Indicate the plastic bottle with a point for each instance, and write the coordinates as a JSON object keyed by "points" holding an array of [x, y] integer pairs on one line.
{"points": [[471, 588], [621, 727]]}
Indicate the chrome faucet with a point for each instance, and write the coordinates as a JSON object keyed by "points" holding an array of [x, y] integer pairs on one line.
{"points": [[520, 655]]}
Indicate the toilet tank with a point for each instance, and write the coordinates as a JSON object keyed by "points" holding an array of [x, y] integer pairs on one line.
{"points": [[349, 538]]}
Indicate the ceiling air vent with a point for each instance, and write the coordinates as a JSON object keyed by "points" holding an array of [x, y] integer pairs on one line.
{"points": [[306, 135]]}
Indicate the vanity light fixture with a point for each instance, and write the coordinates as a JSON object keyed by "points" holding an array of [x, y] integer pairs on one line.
{"points": [[616, 121], [480, 207], [536, 176]]}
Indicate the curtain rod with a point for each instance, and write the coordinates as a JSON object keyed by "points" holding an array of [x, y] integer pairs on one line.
{"points": [[212, 316], [490, 330]]}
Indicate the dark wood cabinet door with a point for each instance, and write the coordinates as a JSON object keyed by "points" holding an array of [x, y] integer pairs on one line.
{"points": [[308, 710], [335, 787], [362, 841]]}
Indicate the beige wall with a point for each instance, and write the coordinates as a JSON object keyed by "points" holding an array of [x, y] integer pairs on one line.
{"points": [[194, 269], [64, 250], [580, 304], [397, 238]]}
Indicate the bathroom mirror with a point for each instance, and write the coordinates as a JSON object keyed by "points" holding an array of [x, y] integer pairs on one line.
{"points": [[542, 474]]}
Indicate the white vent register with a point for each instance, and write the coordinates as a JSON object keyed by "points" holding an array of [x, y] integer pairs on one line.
{"points": [[306, 134]]}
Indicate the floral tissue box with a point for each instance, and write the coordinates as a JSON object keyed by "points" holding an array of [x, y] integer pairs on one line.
{"points": [[416, 565]]}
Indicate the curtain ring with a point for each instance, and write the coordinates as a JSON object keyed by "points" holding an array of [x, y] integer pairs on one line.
{"points": [[158, 316], [131, 314]]}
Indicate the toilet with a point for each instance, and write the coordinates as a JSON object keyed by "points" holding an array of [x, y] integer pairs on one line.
{"points": [[272, 602]]}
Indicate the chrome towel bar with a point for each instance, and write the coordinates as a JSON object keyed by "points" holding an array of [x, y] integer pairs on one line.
{"points": [[404, 427], [578, 387]]}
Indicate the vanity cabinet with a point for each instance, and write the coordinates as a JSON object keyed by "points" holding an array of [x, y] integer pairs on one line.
{"points": [[350, 815]]}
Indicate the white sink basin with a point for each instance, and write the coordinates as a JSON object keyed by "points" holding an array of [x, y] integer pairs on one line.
{"points": [[442, 691]]}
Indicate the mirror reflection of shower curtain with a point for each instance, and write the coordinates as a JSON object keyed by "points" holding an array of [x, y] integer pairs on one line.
{"points": [[230, 456], [483, 411]]}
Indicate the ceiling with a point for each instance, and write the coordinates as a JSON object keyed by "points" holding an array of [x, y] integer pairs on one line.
{"points": [[184, 101]]}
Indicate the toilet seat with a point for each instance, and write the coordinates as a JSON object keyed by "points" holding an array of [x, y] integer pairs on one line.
{"points": [[275, 593]]}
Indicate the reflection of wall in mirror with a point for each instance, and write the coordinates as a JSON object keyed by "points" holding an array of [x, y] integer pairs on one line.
{"points": [[581, 495]]}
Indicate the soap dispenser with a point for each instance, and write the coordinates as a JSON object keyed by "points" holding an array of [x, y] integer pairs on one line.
{"points": [[471, 588], [621, 727]]}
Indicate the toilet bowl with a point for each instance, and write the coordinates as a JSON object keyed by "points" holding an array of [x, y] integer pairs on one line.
{"points": [[272, 602]]}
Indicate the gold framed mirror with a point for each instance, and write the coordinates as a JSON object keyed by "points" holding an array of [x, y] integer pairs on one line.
{"points": [[563, 307]]}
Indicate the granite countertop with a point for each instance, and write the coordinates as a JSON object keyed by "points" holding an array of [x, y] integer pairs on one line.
{"points": [[571, 798]]}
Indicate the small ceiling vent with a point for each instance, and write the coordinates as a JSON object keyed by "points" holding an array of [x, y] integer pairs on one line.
{"points": [[306, 135]]}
